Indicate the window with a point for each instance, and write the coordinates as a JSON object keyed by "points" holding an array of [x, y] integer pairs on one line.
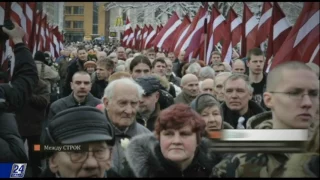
{"points": [[67, 10], [78, 24], [124, 17], [67, 24], [78, 10], [141, 17], [95, 29]]}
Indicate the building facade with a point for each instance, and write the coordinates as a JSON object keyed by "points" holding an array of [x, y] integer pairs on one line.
{"points": [[54, 10], [84, 21]]}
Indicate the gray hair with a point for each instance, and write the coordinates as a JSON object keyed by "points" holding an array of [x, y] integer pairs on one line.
{"points": [[206, 73], [194, 68], [207, 100], [120, 67], [234, 77], [109, 90], [219, 75]]}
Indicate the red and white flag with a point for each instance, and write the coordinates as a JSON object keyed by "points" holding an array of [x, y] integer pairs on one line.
{"points": [[249, 30], [127, 32], [280, 29], [264, 26], [302, 43], [152, 34], [145, 32], [216, 31], [167, 31], [171, 42], [232, 35]]}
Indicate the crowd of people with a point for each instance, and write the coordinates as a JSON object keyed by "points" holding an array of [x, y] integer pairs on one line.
{"points": [[149, 114]]}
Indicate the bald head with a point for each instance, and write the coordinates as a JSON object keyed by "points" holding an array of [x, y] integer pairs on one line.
{"points": [[238, 66], [207, 86], [190, 85], [275, 76], [187, 78]]}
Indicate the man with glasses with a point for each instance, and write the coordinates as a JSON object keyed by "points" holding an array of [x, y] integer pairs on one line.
{"points": [[292, 94], [85, 126]]}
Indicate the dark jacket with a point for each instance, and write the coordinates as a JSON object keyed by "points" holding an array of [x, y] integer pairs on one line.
{"points": [[97, 89], [63, 68], [232, 117], [174, 79], [177, 67], [145, 159], [12, 147], [165, 99], [74, 66], [24, 79], [183, 98], [31, 117], [149, 123], [69, 102]]}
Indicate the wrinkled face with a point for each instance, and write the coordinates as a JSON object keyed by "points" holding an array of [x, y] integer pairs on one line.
{"points": [[171, 56], [169, 67], [293, 108], [81, 85], [123, 106], [212, 117], [178, 145], [121, 53], [219, 87], [103, 73], [191, 88], [256, 64], [140, 70], [238, 67], [160, 69], [216, 58], [148, 103], [219, 69], [82, 55], [236, 95], [151, 55], [68, 164], [207, 87]]}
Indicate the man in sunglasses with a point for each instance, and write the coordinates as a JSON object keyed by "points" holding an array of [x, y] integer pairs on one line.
{"points": [[84, 127]]}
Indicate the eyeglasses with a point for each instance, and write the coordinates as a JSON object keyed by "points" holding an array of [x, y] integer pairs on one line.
{"points": [[82, 156], [298, 96]]}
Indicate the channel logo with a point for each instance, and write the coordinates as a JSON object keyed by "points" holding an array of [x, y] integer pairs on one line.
{"points": [[18, 170]]}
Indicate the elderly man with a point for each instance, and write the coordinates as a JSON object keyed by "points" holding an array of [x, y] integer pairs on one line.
{"points": [[190, 89], [206, 86], [121, 102], [292, 94], [121, 54], [88, 128], [151, 54], [170, 75], [194, 68], [218, 85], [238, 66], [206, 73], [238, 107], [178, 64]]}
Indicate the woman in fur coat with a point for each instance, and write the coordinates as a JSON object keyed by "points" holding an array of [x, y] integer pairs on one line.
{"points": [[176, 149]]}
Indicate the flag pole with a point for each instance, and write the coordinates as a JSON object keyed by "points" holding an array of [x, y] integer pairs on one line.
{"points": [[205, 40]]}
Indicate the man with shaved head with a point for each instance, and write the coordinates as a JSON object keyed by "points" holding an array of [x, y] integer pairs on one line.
{"points": [[207, 86], [121, 54], [292, 94], [238, 66], [190, 89]]}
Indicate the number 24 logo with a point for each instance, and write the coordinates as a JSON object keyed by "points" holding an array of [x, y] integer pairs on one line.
{"points": [[18, 169]]}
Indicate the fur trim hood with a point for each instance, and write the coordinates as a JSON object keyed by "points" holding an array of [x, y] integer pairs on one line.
{"points": [[302, 165], [145, 158], [260, 121]]}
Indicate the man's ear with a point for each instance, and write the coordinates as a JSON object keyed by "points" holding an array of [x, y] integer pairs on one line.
{"points": [[71, 85], [268, 100], [105, 102], [53, 163], [157, 95]]}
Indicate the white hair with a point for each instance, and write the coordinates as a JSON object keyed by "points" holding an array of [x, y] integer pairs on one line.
{"points": [[109, 90], [127, 64], [206, 73], [194, 68], [120, 68], [137, 54]]}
